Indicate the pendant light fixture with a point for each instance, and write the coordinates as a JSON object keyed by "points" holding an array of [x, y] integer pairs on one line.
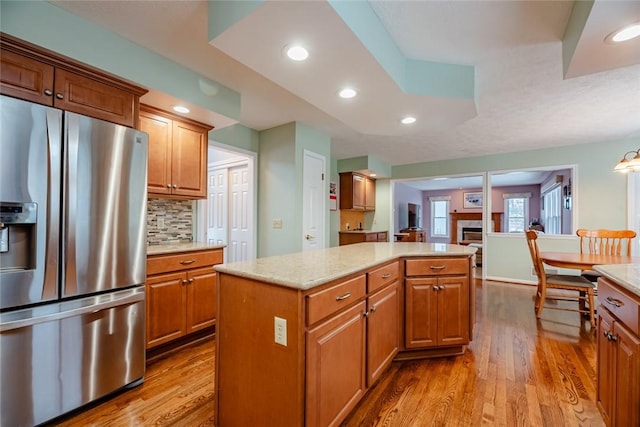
{"points": [[629, 164]]}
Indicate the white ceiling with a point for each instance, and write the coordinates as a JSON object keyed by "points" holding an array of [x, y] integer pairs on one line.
{"points": [[522, 100]]}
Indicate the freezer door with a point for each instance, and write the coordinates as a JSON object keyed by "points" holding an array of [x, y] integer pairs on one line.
{"points": [[30, 175], [105, 206], [58, 357]]}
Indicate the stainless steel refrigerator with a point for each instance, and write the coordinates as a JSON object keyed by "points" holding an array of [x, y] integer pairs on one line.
{"points": [[73, 205]]}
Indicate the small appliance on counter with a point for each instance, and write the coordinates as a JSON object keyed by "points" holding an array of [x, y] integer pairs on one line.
{"points": [[73, 204]]}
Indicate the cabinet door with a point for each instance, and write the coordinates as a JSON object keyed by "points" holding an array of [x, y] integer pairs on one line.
{"points": [[189, 160], [627, 374], [370, 194], [453, 310], [359, 191], [421, 312], [26, 78], [201, 298], [92, 98], [335, 367], [166, 302], [606, 366], [382, 330], [382, 237], [159, 163]]}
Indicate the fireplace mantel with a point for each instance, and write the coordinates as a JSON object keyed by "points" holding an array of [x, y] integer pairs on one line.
{"points": [[496, 217]]}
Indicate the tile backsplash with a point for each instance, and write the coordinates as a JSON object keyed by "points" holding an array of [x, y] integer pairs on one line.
{"points": [[169, 221]]}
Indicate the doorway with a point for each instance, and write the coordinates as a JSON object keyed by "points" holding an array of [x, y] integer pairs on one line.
{"points": [[227, 216], [313, 201]]}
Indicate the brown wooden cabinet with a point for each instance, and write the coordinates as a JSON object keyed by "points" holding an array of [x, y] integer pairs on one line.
{"points": [[414, 235], [618, 392], [357, 192], [177, 154], [350, 237], [436, 303], [38, 75], [181, 294], [383, 333]]}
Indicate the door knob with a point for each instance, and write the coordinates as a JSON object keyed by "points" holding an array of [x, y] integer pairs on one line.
{"points": [[309, 237]]}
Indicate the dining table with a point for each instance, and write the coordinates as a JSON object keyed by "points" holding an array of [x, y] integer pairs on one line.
{"points": [[584, 261]]}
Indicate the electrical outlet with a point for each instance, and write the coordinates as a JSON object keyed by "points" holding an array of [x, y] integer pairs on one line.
{"points": [[160, 222], [280, 331], [277, 223]]}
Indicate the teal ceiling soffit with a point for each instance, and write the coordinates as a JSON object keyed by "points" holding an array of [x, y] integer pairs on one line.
{"points": [[224, 13], [365, 163], [412, 76], [577, 21]]}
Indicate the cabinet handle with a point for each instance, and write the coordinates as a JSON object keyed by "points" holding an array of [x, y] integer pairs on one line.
{"points": [[187, 261], [610, 336], [48, 92], [437, 267], [441, 288], [435, 288], [184, 281], [168, 185], [614, 301], [343, 297], [191, 280], [175, 186], [386, 276], [372, 309], [365, 314], [59, 96]]}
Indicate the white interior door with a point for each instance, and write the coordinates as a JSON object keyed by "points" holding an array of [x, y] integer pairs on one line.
{"points": [[313, 201], [217, 207], [240, 214], [633, 201]]}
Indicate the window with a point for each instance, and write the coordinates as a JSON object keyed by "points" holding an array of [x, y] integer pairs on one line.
{"points": [[516, 210], [439, 216], [552, 211]]}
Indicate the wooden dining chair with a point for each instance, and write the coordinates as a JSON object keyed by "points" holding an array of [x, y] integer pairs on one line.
{"points": [[605, 242], [583, 288]]}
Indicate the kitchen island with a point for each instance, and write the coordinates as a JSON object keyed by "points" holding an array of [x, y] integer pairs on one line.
{"points": [[302, 337]]}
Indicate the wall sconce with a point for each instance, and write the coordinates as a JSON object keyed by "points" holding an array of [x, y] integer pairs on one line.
{"points": [[629, 164]]}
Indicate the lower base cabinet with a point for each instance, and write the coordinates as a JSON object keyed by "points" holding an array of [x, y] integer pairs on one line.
{"points": [[618, 369], [181, 295]]}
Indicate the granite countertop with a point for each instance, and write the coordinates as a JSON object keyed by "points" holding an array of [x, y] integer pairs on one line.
{"points": [[171, 248], [305, 270], [625, 275]]}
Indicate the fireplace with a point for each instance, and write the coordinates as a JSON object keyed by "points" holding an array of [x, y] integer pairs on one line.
{"points": [[461, 220], [471, 233]]}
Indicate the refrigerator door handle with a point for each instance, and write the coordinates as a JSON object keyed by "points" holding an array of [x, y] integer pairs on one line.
{"points": [[51, 252], [129, 298], [69, 280]]}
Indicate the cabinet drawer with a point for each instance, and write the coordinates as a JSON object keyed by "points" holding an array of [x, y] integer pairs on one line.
{"points": [[371, 237], [184, 260], [619, 304], [381, 276], [436, 266], [322, 304]]}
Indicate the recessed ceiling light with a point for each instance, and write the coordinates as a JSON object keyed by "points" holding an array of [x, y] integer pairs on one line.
{"points": [[408, 120], [347, 93], [440, 179], [627, 33], [180, 109], [373, 175], [297, 52]]}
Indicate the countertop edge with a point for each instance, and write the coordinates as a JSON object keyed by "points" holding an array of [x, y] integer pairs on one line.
{"points": [[626, 276], [172, 248]]}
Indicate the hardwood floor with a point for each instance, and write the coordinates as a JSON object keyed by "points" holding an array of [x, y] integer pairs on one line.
{"points": [[517, 372]]}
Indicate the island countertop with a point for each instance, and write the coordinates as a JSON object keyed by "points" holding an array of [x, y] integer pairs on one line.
{"points": [[172, 248], [625, 275], [305, 270]]}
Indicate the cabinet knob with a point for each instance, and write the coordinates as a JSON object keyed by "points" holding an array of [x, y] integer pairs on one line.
{"points": [[168, 185], [372, 309], [59, 96], [48, 92], [435, 288], [190, 280], [365, 314], [184, 281], [441, 288]]}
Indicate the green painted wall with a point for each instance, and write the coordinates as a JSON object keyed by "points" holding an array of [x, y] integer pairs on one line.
{"points": [[238, 136], [280, 178]]}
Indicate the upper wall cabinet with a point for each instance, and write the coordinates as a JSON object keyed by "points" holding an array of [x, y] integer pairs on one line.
{"points": [[357, 192], [34, 74], [177, 154]]}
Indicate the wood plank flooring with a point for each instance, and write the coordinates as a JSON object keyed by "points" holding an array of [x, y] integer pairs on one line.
{"points": [[517, 372]]}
